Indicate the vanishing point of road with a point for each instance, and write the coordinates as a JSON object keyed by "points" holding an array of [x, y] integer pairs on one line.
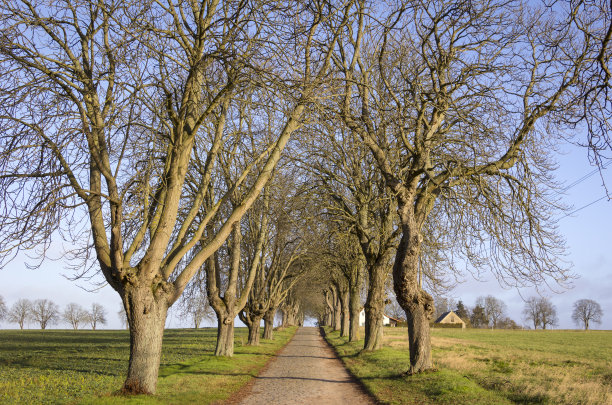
{"points": [[306, 371]]}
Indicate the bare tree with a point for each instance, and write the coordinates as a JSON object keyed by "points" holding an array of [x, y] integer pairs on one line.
{"points": [[452, 104], [75, 315], [494, 309], [195, 307], [531, 311], [443, 304], [20, 312], [3, 310], [595, 20], [585, 312], [548, 313], [106, 107], [97, 315], [123, 317], [541, 312], [45, 312], [394, 309]]}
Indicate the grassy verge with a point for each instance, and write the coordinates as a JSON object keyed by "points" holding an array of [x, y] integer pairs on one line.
{"points": [[59, 366], [489, 367]]}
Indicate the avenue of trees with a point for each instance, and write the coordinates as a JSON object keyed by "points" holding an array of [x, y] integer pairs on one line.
{"points": [[249, 158]]}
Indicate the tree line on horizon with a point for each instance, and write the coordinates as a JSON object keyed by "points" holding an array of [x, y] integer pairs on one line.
{"points": [[45, 313]]}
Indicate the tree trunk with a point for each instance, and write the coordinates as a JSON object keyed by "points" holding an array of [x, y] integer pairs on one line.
{"points": [[354, 308], [374, 307], [269, 324], [419, 337], [337, 311], [417, 303], [147, 318], [344, 300], [254, 331], [225, 336], [284, 319]]}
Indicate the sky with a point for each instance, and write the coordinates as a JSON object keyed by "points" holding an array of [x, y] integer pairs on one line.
{"points": [[587, 232]]}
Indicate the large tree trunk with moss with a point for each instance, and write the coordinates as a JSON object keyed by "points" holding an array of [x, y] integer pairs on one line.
{"points": [[375, 306], [146, 311], [269, 324], [418, 304]]}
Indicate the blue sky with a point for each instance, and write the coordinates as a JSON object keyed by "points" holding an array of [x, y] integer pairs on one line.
{"points": [[587, 232]]}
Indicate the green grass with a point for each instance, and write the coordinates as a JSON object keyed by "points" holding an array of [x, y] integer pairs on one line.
{"points": [[60, 366], [489, 367]]}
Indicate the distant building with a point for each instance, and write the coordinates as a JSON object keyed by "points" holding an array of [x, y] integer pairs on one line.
{"points": [[450, 317], [387, 320]]}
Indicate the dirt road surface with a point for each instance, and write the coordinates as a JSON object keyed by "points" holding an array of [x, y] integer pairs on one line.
{"points": [[306, 371]]}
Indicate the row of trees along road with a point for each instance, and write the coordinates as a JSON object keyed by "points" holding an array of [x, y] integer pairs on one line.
{"points": [[158, 124], [144, 133], [45, 312]]}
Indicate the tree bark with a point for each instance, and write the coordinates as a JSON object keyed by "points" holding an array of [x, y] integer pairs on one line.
{"points": [[418, 304], [269, 324], [225, 336], [284, 318], [354, 308], [337, 309], [146, 315], [254, 332], [374, 307], [344, 301]]}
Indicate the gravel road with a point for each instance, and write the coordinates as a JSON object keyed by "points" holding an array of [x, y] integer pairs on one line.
{"points": [[306, 371]]}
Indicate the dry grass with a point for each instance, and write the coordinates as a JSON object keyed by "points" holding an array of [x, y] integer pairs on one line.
{"points": [[556, 367]]}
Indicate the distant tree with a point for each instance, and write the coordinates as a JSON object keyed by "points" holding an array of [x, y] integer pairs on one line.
{"points": [[75, 315], [123, 317], [541, 312], [394, 309], [45, 312], [548, 313], [443, 304], [20, 312], [462, 311], [479, 317], [96, 316], [196, 308], [585, 312], [531, 312], [494, 309], [3, 310], [507, 323]]}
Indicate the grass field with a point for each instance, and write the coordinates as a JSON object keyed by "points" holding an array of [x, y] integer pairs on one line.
{"points": [[61, 366], [489, 367]]}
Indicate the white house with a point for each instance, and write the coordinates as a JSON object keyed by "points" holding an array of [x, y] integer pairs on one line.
{"points": [[386, 320]]}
